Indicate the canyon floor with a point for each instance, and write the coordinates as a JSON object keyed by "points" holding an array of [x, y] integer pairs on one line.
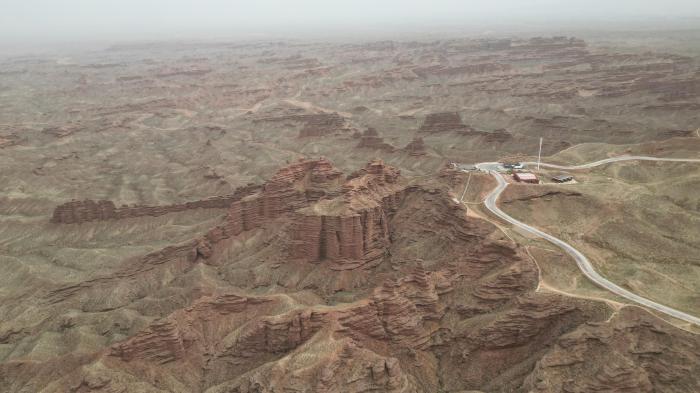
{"points": [[280, 216]]}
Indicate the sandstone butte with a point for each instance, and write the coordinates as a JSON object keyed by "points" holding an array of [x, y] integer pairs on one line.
{"points": [[440, 302], [416, 147], [442, 122], [370, 139]]}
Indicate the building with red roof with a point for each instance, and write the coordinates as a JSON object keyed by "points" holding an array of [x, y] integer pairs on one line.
{"points": [[526, 177]]}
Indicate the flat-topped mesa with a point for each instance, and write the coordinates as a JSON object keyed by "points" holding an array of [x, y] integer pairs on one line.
{"points": [[295, 185], [352, 229], [442, 122], [416, 147], [322, 124], [375, 179], [379, 171], [370, 139], [317, 171], [292, 187]]}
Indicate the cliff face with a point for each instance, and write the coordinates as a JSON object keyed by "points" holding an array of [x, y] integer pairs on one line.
{"points": [[349, 238], [353, 228], [292, 187]]}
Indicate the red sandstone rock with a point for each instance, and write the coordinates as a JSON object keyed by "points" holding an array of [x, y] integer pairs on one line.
{"points": [[356, 230]]}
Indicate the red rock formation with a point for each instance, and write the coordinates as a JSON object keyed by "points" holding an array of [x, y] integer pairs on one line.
{"points": [[505, 286], [447, 304], [634, 352], [76, 212], [355, 230], [161, 343], [292, 187], [341, 238], [475, 318], [400, 312], [379, 174]]}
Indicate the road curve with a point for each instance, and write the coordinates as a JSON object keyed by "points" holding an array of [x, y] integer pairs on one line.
{"points": [[613, 159], [583, 263]]}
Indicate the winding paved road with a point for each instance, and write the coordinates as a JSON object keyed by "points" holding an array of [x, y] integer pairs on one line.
{"points": [[614, 159], [583, 263]]}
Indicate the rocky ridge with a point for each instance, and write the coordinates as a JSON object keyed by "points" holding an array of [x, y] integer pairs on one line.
{"points": [[352, 228], [75, 212], [442, 122], [461, 314]]}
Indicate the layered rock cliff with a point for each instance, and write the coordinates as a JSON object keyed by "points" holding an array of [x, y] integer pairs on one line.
{"points": [[352, 228], [633, 352], [442, 122], [320, 283], [75, 212], [291, 188]]}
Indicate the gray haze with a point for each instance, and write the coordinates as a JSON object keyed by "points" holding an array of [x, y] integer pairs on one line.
{"points": [[85, 20]]}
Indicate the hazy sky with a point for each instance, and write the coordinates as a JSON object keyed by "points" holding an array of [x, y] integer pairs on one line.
{"points": [[128, 19]]}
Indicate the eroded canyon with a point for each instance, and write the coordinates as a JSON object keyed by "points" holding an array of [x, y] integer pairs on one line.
{"points": [[285, 217]]}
